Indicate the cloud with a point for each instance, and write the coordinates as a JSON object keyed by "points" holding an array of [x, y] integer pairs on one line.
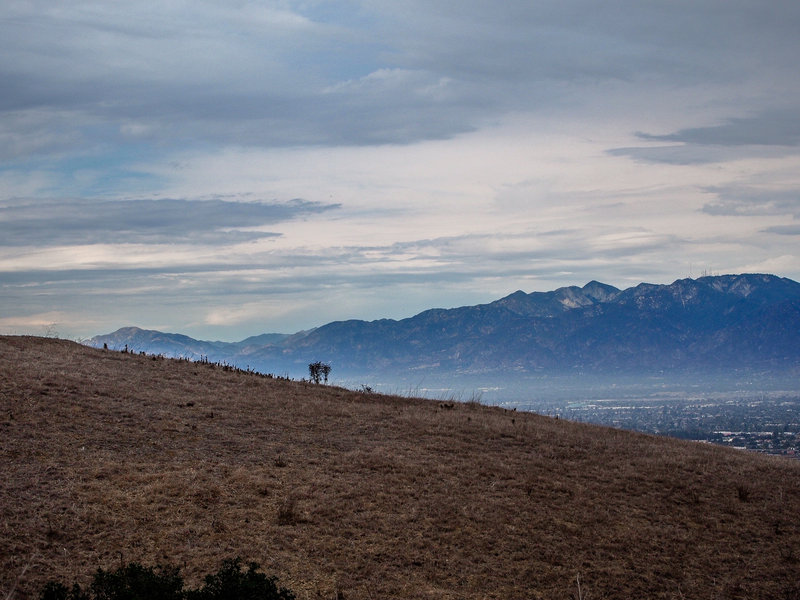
{"points": [[784, 229], [177, 72], [770, 128], [55, 222], [528, 44], [771, 134], [357, 73], [739, 200], [695, 154]]}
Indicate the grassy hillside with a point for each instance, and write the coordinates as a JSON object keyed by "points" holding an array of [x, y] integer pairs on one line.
{"points": [[110, 457]]}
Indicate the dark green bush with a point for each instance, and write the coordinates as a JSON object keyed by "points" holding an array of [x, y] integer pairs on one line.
{"points": [[58, 591], [135, 582], [231, 583]]}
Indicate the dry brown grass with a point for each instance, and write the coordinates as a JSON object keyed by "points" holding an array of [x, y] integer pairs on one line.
{"points": [[110, 457]]}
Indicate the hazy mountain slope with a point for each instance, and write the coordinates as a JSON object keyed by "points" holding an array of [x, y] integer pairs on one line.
{"points": [[710, 324], [157, 342], [112, 456], [175, 345]]}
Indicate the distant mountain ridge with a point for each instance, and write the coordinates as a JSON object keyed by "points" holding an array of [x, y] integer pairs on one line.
{"points": [[714, 324]]}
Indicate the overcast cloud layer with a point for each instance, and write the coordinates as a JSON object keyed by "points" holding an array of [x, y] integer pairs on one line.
{"points": [[223, 169]]}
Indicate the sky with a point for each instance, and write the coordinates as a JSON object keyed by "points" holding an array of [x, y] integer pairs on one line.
{"points": [[224, 169]]}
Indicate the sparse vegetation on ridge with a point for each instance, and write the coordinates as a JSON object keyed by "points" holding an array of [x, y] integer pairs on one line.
{"points": [[111, 457]]}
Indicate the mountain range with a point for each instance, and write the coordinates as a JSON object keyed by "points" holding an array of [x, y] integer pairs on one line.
{"points": [[712, 325]]}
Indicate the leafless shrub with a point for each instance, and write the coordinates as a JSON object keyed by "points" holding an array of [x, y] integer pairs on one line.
{"points": [[743, 493], [288, 513]]}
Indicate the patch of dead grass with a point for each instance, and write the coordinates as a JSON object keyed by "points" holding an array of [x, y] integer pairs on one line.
{"points": [[111, 457]]}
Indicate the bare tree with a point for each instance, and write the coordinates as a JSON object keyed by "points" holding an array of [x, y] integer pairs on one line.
{"points": [[319, 371]]}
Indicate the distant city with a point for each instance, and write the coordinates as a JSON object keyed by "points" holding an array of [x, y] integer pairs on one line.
{"points": [[767, 422], [760, 414]]}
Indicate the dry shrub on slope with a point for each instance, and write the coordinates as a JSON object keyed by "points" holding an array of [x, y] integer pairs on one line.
{"points": [[110, 457]]}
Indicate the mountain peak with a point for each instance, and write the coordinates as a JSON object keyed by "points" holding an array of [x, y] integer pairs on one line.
{"points": [[601, 292], [746, 283]]}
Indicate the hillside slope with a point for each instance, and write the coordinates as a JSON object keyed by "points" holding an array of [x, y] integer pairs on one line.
{"points": [[109, 456]]}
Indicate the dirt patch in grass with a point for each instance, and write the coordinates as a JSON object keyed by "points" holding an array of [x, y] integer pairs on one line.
{"points": [[109, 457]]}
